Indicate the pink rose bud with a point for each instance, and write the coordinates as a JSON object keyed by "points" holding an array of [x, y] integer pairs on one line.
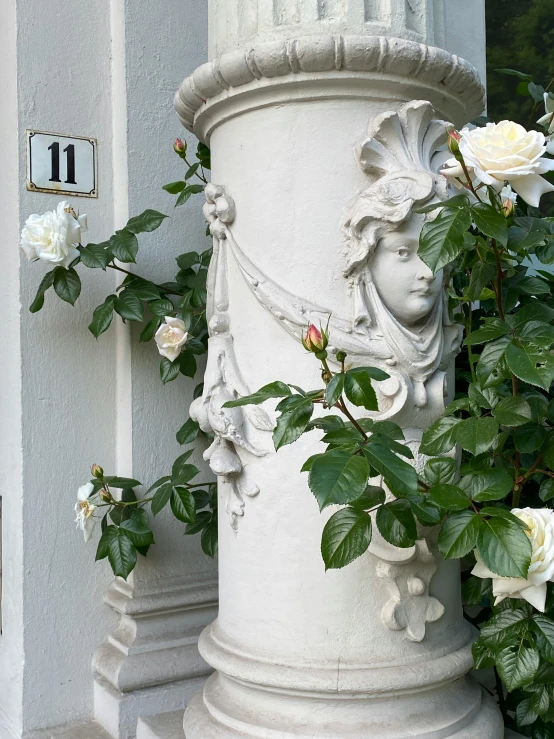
{"points": [[97, 471], [315, 340], [508, 207], [453, 141], [179, 147]]}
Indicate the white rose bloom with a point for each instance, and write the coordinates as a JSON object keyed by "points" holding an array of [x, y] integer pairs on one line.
{"points": [[171, 337], [548, 120], [53, 236], [540, 523], [505, 152], [84, 510]]}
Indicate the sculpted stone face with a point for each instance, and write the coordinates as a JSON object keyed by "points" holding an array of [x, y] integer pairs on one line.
{"points": [[405, 284]]}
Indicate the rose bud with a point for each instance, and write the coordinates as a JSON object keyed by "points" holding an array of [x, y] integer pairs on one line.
{"points": [[179, 147], [105, 496], [508, 208], [453, 142], [315, 340], [97, 471]]}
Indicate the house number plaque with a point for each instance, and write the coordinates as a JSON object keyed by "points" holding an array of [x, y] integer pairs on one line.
{"points": [[63, 164]]}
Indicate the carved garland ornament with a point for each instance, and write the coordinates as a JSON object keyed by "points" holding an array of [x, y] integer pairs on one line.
{"points": [[407, 330]]}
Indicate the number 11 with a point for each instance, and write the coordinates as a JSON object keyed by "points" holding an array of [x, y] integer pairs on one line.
{"points": [[70, 151]]}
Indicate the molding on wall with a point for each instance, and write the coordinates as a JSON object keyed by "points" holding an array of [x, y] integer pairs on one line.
{"points": [[318, 58]]}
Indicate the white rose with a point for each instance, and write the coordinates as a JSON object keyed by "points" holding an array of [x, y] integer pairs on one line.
{"points": [[505, 152], [171, 337], [53, 236], [540, 522], [84, 509], [548, 120]]}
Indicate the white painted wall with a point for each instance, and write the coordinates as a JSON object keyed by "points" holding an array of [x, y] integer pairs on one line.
{"points": [[107, 70]]}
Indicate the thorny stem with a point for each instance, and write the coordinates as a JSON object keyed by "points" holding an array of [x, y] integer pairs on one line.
{"points": [[202, 177]]}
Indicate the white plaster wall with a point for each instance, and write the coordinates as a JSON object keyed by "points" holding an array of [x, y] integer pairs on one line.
{"points": [[107, 70], [467, 40]]}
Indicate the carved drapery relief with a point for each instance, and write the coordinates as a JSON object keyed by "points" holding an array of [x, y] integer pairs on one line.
{"points": [[401, 325], [239, 433]]}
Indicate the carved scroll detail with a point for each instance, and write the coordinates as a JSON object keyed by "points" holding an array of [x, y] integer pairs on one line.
{"points": [[241, 432]]}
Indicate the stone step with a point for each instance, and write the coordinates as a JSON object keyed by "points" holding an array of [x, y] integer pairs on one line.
{"points": [[164, 726], [82, 731]]}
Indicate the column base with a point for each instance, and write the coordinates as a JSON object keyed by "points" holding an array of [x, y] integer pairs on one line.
{"points": [[288, 716]]}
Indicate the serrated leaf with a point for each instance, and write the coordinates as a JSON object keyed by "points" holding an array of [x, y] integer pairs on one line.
{"points": [[449, 497], [187, 363], [188, 260], [504, 548], [124, 245], [139, 533], [334, 389], [202, 520], [183, 505], [273, 390], [441, 470], [337, 477], [129, 306], [149, 331], [546, 491], [67, 284], [525, 713], [529, 437], [174, 187], [544, 627], [513, 411], [147, 221], [439, 437], [292, 423], [168, 370], [476, 435], [46, 283], [161, 308], [517, 666], [400, 476], [443, 239], [475, 590], [359, 390], [161, 498], [490, 222], [188, 432], [494, 484], [458, 534], [531, 365], [122, 483], [396, 524], [346, 536], [493, 329], [209, 538], [95, 256], [481, 275], [372, 497], [504, 627], [490, 365], [122, 554]]}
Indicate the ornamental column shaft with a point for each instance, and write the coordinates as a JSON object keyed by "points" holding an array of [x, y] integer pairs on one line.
{"points": [[325, 119]]}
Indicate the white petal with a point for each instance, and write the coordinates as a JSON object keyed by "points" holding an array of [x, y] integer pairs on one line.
{"points": [[536, 596], [481, 571], [84, 491], [83, 222], [72, 255], [531, 188], [29, 252], [88, 528], [175, 322]]}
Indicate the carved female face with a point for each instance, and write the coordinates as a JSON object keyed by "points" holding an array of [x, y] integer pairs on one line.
{"points": [[405, 284]]}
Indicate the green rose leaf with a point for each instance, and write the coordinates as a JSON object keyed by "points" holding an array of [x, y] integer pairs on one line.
{"points": [[481, 275], [439, 437], [372, 497], [491, 362], [188, 432], [292, 422], [183, 505], [138, 530], [150, 220], [67, 284], [337, 477], [129, 306], [124, 246], [334, 389], [531, 364], [161, 498], [46, 283], [525, 713], [208, 540], [546, 491], [173, 188], [273, 390], [513, 411], [188, 260], [458, 534], [168, 370], [476, 435], [441, 470], [504, 548], [475, 590], [517, 666], [529, 437], [400, 476], [396, 524], [449, 497], [202, 520], [358, 388], [544, 629], [494, 484], [95, 256], [504, 627], [443, 239], [122, 553], [346, 536], [492, 329], [490, 222]]}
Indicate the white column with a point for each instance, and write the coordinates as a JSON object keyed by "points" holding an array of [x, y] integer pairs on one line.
{"points": [[312, 135]]}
